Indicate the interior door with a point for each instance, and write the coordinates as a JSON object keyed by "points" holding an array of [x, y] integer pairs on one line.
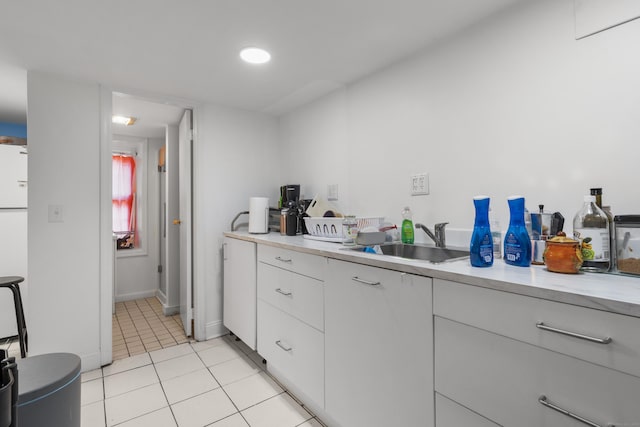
{"points": [[185, 140]]}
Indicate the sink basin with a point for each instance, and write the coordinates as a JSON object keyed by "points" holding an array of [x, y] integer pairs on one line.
{"points": [[420, 252]]}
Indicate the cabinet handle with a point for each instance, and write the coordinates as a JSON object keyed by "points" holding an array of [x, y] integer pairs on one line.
{"points": [[279, 344], [366, 282], [285, 293], [541, 325], [543, 400], [283, 259]]}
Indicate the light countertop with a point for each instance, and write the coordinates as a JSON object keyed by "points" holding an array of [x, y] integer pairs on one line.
{"points": [[608, 292]]}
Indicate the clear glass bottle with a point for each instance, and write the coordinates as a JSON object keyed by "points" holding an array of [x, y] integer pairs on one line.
{"points": [[496, 234], [517, 245], [481, 248], [597, 192], [349, 230], [591, 228], [406, 232]]}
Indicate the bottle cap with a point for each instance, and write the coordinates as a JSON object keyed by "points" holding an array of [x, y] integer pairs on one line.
{"points": [[480, 197]]}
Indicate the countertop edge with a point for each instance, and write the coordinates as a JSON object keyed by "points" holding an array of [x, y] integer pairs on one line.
{"points": [[585, 289]]}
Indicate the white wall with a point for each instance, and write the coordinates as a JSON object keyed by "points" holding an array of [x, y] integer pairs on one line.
{"points": [[64, 170], [514, 105], [235, 157], [137, 276]]}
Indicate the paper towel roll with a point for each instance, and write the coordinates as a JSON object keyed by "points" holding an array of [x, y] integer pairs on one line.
{"points": [[259, 215]]}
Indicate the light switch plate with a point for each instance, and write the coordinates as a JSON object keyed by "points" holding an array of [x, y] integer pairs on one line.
{"points": [[332, 192], [55, 213], [419, 184]]}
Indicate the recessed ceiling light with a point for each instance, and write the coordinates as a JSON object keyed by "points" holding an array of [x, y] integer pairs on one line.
{"points": [[123, 120], [255, 55]]}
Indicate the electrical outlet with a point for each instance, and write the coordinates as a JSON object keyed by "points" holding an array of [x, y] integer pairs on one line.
{"points": [[419, 184], [332, 192]]}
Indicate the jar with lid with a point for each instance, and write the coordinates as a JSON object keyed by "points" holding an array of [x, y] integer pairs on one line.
{"points": [[283, 221], [349, 230], [627, 243]]}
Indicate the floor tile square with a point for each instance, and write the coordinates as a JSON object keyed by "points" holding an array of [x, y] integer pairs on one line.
{"points": [[204, 345], [279, 411], [219, 354], [91, 375], [130, 405], [126, 364], [189, 385], [178, 366], [234, 370], [170, 353], [91, 391], [234, 420], [203, 409], [159, 418], [252, 390], [125, 382], [92, 415], [312, 423]]}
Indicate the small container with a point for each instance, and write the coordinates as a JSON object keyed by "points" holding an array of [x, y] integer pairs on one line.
{"points": [[292, 222], [563, 254], [349, 230], [283, 221], [627, 246]]}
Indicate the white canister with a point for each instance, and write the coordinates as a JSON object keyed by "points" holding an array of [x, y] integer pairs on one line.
{"points": [[259, 215]]}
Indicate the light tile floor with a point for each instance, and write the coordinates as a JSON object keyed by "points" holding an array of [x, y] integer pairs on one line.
{"points": [[218, 383], [139, 326]]}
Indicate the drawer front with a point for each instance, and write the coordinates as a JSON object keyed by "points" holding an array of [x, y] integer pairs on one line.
{"points": [[298, 262], [295, 349], [450, 414], [516, 316], [298, 295], [504, 379]]}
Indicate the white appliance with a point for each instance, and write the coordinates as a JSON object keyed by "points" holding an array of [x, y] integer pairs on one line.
{"points": [[13, 231], [258, 215]]}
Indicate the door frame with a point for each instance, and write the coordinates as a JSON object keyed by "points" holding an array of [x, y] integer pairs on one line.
{"points": [[107, 260]]}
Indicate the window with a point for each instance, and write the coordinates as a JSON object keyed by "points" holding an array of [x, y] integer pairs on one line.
{"points": [[128, 195]]}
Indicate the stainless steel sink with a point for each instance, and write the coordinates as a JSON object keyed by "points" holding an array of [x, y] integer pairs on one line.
{"points": [[420, 252]]}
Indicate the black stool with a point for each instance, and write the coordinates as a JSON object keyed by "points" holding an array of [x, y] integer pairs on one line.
{"points": [[11, 282]]}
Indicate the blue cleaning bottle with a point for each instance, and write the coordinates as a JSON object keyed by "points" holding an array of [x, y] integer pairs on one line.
{"points": [[481, 250], [517, 244]]}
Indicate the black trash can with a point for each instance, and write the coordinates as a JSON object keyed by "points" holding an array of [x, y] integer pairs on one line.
{"points": [[49, 390]]}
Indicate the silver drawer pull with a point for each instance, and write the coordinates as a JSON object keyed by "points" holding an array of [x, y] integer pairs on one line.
{"points": [[285, 293], [366, 282], [543, 400], [282, 346], [541, 325], [283, 259]]}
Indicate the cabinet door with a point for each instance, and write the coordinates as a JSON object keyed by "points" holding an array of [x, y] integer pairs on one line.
{"points": [[13, 176], [378, 347], [239, 297], [450, 414]]}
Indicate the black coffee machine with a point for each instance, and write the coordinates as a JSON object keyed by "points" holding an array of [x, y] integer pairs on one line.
{"points": [[289, 195]]}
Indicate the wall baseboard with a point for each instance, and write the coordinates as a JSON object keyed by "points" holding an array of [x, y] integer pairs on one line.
{"points": [[90, 361], [170, 310], [135, 295], [215, 329]]}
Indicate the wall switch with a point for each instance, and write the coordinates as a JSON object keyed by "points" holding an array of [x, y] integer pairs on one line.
{"points": [[419, 184], [332, 192], [55, 213]]}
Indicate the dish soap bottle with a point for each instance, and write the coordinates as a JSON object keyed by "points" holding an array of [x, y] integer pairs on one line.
{"points": [[517, 245], [591, 228], [406, 232], [481, 251]]}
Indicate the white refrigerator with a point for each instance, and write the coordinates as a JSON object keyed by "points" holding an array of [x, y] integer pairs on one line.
{"points": [[13, 231]]}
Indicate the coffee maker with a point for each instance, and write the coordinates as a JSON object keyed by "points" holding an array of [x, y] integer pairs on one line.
{"points": [[289, 195]]}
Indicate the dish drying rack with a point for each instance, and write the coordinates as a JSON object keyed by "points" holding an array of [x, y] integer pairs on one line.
{"points": [[330, 229]]}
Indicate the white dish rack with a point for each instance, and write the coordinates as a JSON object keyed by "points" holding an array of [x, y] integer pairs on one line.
{"points": [[330, 229]]}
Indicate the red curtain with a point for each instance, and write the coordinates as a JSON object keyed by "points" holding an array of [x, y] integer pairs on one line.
{"points": [[124, 196]]}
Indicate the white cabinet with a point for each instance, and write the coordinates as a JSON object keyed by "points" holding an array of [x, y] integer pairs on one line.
{"points": [[239, 298], [378, 347], [493, 358], [451, 414], [13, 176], [291, 319]]}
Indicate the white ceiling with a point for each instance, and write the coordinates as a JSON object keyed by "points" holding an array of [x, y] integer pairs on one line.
{"points": [[189, 49]]}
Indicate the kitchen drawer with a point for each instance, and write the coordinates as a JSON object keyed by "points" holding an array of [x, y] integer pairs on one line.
{"points": [[503, 379], [515, 316], [450, 414], [298, 295], [293, 348], [298, 262]]}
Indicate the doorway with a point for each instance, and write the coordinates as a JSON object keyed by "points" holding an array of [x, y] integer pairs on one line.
{"points": [[147, 252]]}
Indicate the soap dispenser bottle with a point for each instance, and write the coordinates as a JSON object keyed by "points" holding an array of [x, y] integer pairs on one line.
{"points": [[481, 251], [517, 245], [406, 232]]}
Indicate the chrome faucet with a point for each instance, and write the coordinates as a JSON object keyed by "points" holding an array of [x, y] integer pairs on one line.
{"points": [[439, 236]]}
